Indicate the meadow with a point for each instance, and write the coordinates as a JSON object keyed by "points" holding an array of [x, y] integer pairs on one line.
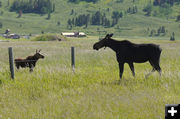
{"points": [[53, 91]]}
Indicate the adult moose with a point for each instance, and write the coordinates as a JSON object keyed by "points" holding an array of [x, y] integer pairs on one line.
{"points": [[128, 52], [30, 61]]}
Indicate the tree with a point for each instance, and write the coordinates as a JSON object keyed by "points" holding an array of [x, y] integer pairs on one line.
{"points": [[8, 3], [107, 23], [77, 1], [0, 4], [72, 12], [69, 24], [178, 18], [54, 7], [49, 16], [96, 18], [1, 25], [163, 30], [135, 10], [172, 38], [159, 31], [162, 2], [33, 6], [152, 32], [116, 16], [119, 1], [148, 9], [19, 14], [58, 23], [85, 19]]}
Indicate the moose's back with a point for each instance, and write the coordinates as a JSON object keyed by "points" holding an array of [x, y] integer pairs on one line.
{"points": [[139, 53]]}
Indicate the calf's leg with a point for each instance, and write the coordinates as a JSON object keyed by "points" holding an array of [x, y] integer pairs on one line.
{"points": [[31, 67], [17, 65]]}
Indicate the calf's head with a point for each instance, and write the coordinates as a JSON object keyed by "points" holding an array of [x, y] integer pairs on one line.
{"points": [[38, 55], [102, 43]]}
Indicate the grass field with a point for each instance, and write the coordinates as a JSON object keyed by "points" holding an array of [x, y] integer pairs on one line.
{"points": [[53, 91]]}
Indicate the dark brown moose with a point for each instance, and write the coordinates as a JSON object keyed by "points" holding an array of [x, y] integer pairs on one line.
{"points": [[30, 61], [128, 52]]}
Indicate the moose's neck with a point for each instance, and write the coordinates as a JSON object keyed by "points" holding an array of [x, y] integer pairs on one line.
{"points": [[113, 44], [35, 57], [32, 58]]}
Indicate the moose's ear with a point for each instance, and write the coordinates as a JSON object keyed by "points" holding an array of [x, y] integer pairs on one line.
{"points": [[36, 51], [110, 35], [39, 50]]}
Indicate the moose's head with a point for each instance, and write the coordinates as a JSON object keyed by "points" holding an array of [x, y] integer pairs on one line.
{"points": [[38, 55], [102, 43]]}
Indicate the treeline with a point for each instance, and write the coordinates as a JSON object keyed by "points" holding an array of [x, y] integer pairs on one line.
{"points": [[178, 18], [1, 25], [33, 6], [162, 2], [165, 7], [161, 31], [132, 10], [97, 18], [77, 1]]}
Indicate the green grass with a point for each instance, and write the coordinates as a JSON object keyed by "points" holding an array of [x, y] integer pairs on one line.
{"points": [[93, 91]]}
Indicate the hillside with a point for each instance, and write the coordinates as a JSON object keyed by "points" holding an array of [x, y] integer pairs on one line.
{"points": [[131, 24]]}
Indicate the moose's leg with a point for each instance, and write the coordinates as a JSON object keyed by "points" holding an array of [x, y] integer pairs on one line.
{"points": [[132, 68], [153, 70], [31, 70], [17, 66], [121, 69], [31, 67], [156, 66]]}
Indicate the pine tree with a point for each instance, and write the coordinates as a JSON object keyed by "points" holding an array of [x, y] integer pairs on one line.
{"points": [[178, 18], [49, 16], [69, 24], [1, 25], [58, 23], [163, 29], [148, 9], [172, 38], [0, 4], [8, 3], [54, 7]]}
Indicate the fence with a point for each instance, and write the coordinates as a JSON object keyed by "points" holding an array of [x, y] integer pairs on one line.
{"points": [[11, 61]]}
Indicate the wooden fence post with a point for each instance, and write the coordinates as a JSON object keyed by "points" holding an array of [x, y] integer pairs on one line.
{"points": [[11, 62], [73, 59]]}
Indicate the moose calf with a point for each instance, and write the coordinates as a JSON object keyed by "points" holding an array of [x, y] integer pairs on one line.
{"points": [[30, 61]]}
